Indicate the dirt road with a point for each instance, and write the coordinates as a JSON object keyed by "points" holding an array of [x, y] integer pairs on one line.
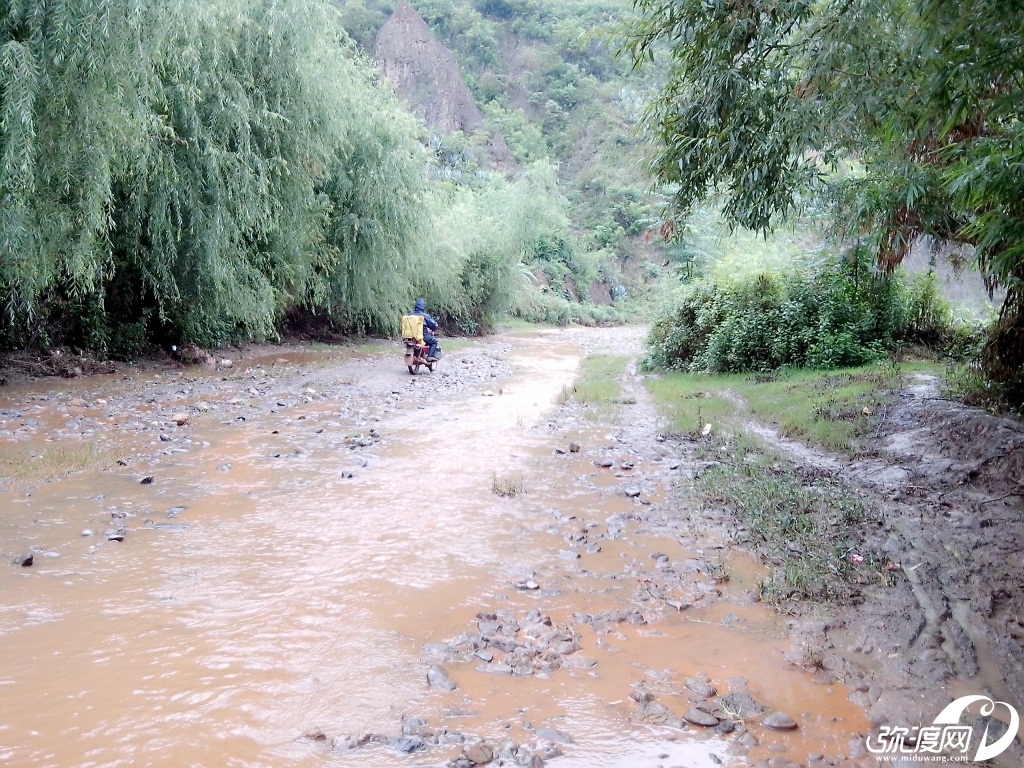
{"points": [[331, 562]]}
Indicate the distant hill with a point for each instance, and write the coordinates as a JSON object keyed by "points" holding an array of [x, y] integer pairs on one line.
{"points": [[426, 76]]}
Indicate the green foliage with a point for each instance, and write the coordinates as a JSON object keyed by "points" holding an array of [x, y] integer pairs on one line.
{"points": [[802, 525], [896, 118], [181, 170], [539, 72], [825, 315], [187, 170]]}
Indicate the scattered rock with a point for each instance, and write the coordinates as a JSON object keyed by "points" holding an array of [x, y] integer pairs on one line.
{"points": [[574, 448], [700, 686], [180, 419], [416, 727], [439, 679], [739, 705], [551, 734], [25, 560], [632, 491], [148, 480], [87, 532], [779, 721], [495, 669], [479, 753], [579, 662], [406, 744], [698, 717]]}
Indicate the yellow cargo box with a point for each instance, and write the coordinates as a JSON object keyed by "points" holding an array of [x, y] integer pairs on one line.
{"points": [[412, 327]]}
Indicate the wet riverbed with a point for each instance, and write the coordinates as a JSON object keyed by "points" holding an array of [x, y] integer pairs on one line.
{"points": [[262, 595]]}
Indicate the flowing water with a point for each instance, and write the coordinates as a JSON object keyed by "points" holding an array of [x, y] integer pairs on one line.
{"points": [[278, 598]]}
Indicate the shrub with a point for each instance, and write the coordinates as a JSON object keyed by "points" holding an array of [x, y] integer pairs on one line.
{"points": [[830, 314]]}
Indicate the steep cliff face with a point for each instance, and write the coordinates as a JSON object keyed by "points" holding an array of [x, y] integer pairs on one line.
{"points": [[425, 75]]}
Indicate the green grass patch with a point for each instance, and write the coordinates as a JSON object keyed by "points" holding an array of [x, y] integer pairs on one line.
{"points": [[809, 527], [688, 401], [834, 410], [598, 386], [507, 487], [25, 469]]}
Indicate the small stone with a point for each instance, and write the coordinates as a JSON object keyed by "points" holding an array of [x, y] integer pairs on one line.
{"points": [[779, 721], [148, 480], [479, 753], [25, 560], [632, 491], [579, 662], [439, 679], [706, 431], [574, 448], [165, 438], [568, 554], [605, 463], [700, 686], [180, 419], [550, 734], [87, 532], [406, 744], [697, 717], [748, 740], [495, 669], [484, 656], [417, 727]]}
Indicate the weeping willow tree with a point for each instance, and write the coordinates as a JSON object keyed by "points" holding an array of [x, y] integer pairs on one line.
{"points": [[190, 168], [71, 109]]}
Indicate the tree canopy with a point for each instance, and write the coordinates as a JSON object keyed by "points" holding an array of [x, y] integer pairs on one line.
{"points": [[896, 118]]}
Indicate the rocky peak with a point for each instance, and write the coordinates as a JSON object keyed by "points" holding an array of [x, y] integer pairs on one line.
{"points": [[425, 75]]}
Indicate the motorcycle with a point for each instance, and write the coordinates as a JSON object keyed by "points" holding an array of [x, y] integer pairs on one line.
{"points": [[416, 356]]}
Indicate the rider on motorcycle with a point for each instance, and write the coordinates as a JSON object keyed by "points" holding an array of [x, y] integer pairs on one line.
{"points": [[429, 324]]}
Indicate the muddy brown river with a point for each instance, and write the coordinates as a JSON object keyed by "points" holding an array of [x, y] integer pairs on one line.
{"points": [[260, 595]]}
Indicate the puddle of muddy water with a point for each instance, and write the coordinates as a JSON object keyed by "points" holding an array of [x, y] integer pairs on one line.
{"points": [[285, 598]]}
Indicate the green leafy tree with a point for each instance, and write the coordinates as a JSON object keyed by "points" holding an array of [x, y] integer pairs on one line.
{"points": [[899, 117]]}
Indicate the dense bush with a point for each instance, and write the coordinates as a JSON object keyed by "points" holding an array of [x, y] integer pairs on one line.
{"points": [[826, 315]]}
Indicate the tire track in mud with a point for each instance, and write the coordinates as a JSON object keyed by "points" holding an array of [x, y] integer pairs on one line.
{"points": [[936, 634]]}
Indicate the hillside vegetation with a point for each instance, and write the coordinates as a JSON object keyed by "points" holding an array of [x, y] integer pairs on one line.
{"points": [[187, 171]]}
